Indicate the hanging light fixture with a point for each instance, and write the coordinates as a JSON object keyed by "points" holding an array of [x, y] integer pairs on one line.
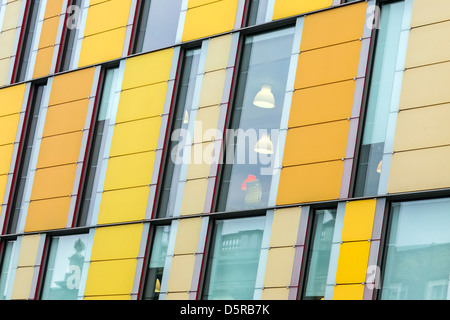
{"points": [[379, 166], [264, 145], [264, 98], [186, 117]]}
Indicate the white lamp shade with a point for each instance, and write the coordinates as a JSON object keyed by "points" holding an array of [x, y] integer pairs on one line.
{"points": [[264, 145], [264, 98]]}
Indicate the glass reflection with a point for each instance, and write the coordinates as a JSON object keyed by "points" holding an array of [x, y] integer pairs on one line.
{"points": [[5, 271]]}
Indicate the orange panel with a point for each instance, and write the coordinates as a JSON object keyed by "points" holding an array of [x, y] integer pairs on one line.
{"points": [[49, 32], [65, 118], [47, 214], [61, 149], [53, 182], [53, 8], [43, 64], [72, 86]]}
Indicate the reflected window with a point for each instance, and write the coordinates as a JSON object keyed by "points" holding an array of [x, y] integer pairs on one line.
{"points": [[380, 94], [64, 268], [256, 12], [417, 261], [255, 121], [6, 268], [157, 262], [319, 255], [234, 259]]}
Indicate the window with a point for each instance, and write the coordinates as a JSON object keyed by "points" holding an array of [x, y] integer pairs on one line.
{"points": [[234, 259], [172, 169], [319, 256], [255, 121], [370, 162], [27, 40], [64, 268], [159, 16], [6, 268], [104, 115], [24, 164], [156, 264], [256, 12], [417, 259]]}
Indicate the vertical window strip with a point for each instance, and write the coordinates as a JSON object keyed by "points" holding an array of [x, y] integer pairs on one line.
{"points": [[168, 259], [6, 269], [80, 33]]}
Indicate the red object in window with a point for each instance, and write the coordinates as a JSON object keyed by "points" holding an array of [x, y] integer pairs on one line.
{"points": [[250, 178]]}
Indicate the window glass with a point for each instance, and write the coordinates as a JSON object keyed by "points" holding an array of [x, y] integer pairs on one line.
{"points": [[234, 259], [379, 103], [71, 32], [155, 269], [417, 265], [319, 255], [253, 134], [182, 113], [256, 12], [64, 268], [5, 271]]}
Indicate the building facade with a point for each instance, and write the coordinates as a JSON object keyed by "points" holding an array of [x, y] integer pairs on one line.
{"points": [[224, 149]]}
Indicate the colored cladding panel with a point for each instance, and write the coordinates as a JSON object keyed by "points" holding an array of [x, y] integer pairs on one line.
{"points": [[313, 182], [177, 296], [3, 182], [206, 123], [129, 171], [11, 98], [8, 128], [201, 160], [181, 272], [53, 8], [67, 117], [279, 267], [54, 182], [275, 294], [72, 86], [123, 205], [358, 220], [113, 277], [118, 242], [49, 32], [210, 19], [423, 13], [422, 169], [212, 88], [352, 262], [285, 226], [425, 86], [147, 69], [322, 104], [316, 143], [424, 41], [422, 128], [60, 149], [6, 153], [107, 15], [22, 283], [110, 298], [348, 292], [194, 196], [197, 3], [12, 14], [7, 39], [28, 251], [332, 27], [188, 233], [289, 8], [47, 214], [135, 136], [218, 53], [43, 62], [317, 67]]}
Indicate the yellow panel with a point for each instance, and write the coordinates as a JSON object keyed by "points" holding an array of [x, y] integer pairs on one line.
{"points": [[4, 70], [318, 31], [319, 66], [316, 143], [54, 182], [201, 160], [194, 196], [53, 8], [22, 283], [280, 262], [358, 220], [8, 129], [61, 149], [425, 86], [315, 182], [110, 277], [135, 136], [206, 124], [197, 3], [422, 127], [102, 47], [423, 13], [188, 233], [65, 118], [285, 227], [420, 170], [3, 182], [28, 251], [322, 104], [352, 263], [181, 272], [49, 32], [423, 42], [109, 298], [7, 39], [123, 205], [12, 14], [43, 63], [275, 294], [11, 98], [212, 88], [72, 86], [117, 242], [106, 16], [210, 19], [288, 8], [6, 153], [142, 102], [47, 214], [177, 296], [129, 171], [349, 292], [218, 53], [147, 69]]}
